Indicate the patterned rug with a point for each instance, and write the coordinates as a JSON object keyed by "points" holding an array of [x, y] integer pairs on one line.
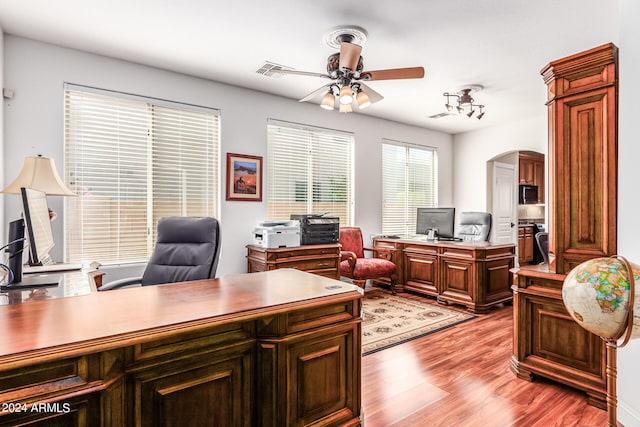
{"points": [[390, 320]]}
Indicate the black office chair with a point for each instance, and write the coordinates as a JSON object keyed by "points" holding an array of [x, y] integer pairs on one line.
{"points": [[474, 226], [187, 248], [542, 240]]}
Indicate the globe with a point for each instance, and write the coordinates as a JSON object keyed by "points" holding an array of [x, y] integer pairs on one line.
{"points": [[596, 294]]}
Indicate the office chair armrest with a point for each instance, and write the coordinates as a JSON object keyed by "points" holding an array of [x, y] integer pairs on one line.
{"points": [[383, 253], [120, 283]]}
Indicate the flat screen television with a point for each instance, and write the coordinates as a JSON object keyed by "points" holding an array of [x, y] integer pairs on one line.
{"points": [[37, 225], [441, 220]]}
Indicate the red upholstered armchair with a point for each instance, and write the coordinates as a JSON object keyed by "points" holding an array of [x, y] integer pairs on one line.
{"points": [[355, 266]]}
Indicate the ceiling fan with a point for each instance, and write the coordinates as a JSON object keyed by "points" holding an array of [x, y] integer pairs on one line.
{"points": [[345, 69]]}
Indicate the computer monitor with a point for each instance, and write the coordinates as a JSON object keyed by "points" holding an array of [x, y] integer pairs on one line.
{"points": [[442, 220], [38, 226]]}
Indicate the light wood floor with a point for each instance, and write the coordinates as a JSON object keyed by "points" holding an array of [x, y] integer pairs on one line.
{"points": [[461, 377]]}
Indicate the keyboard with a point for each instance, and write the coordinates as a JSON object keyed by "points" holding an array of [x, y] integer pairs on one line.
{"points": [[449, 239], [51, 268]]}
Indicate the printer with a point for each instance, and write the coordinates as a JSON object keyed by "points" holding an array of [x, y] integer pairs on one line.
{"points": [[277, 234], [317, 229]]}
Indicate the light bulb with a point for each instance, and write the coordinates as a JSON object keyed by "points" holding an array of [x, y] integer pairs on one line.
{"points": [[346, 95]]}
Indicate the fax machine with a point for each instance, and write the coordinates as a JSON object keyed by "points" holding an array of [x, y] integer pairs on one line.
{"points": [[277, 234]]}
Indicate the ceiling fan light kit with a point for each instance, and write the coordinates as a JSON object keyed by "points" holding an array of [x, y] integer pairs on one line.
{"points": [[464, 100], [345, 69], [346, 95], [362, 99]]}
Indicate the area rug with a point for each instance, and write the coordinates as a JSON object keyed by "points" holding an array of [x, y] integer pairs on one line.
{"points": [[390, 320]]}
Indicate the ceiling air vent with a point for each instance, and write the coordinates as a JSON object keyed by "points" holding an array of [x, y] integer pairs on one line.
{"points": [[268, 67]]}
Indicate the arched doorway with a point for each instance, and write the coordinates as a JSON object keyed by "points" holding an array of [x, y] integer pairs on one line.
{"points": [[507, 173]]}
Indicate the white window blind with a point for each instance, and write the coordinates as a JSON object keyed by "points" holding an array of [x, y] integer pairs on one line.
{"points": [[309, 170], [131, 161], [409, 181]]}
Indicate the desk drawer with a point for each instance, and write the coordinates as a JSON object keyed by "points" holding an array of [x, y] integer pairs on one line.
{"points": [[311, 264]]}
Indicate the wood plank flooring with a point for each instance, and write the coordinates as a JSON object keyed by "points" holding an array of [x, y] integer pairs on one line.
{"points": [[461, 377]]}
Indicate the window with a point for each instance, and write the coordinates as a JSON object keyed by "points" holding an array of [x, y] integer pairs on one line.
{"points": [[409, 181], [309, 170], [131, 161]]}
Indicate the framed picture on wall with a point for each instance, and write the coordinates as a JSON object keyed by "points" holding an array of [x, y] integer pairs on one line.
{"points": [[244, 177]]}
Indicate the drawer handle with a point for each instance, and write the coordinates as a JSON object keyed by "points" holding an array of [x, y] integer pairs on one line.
{"points": [[323, 264]]}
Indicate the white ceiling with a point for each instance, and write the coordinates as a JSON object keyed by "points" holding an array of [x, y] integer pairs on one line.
{"points": [[500, 44]]}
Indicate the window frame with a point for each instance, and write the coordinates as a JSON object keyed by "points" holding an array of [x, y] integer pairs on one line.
{"points": [[407, 223], [174, 116], [315, 188]]}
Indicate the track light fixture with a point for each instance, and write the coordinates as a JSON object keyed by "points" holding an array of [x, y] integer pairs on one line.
{"points": [[463, 100]]}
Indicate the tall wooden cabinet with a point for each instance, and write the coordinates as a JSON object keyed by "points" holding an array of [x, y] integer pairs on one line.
{"points": [[582, 93]]}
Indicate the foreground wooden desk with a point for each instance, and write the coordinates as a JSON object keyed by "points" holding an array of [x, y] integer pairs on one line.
{"points": [[473, 274], [274, 348]]}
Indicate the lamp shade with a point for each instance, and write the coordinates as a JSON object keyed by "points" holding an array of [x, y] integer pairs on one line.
{"points": [[39, 173], [328, 101], [363, 100]]}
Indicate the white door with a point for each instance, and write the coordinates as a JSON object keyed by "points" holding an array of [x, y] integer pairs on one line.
{"points": [[504, 203]]}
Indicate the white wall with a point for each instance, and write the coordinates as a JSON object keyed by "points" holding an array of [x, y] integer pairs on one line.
{"points": [[34, 125], [472, 151], [2, 156], [628, 195]]}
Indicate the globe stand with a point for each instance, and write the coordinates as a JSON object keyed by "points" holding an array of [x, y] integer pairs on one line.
{"points": [[612, 346], [612, 375], [611, 336]]}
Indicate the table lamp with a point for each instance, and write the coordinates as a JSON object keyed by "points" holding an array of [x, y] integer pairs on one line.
{"points": [[600, 295], [38, 173]]}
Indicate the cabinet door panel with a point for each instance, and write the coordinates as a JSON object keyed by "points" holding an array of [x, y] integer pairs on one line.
{"points": [[320, 381], [212, 395], [457, 280], [556, 337], [421, 273]]}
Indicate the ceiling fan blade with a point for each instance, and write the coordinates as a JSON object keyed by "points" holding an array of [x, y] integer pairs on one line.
{"points": [[316, 92], [394, 73], [349, 55], [298, 73], [372, 94]]}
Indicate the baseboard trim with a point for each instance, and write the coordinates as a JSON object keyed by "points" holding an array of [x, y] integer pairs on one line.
{"points": [[627, 415]]}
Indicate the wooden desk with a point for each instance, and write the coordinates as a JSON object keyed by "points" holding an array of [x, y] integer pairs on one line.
{"points": [[323, 260], [274, 348], [473, 274], [547, 342]]}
